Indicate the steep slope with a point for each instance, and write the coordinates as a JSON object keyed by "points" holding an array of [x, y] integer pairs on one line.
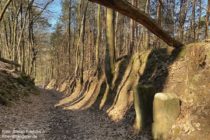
{"points": [[14, 84], [189, 79]]}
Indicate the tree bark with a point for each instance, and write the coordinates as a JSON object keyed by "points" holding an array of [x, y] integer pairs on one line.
{"points": [[207, 20], [111, 36], [193, 27], [98, 36], [110, 46], [83, 43], [200, 18], [10, 62], [4, 9], [132, 30], [69, 35], [129, 10]]}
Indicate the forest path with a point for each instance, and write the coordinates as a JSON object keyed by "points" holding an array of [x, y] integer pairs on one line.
{"points": [[36, 116]]}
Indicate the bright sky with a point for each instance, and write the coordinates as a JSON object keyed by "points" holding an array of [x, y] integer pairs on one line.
{"points": [[55, 9]]}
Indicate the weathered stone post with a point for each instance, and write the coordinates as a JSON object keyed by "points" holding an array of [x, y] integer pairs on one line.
{"points": [[166, 109]]}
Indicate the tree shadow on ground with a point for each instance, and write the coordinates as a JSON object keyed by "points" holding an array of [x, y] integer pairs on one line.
{"points": [[155, 75], [85, 124]]}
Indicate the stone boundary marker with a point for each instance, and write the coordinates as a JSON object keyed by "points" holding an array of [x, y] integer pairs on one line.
{"points": [[166, 109]]}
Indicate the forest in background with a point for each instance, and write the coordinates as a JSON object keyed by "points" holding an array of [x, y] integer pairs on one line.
{"points": [[78, 41], [142, 62]]}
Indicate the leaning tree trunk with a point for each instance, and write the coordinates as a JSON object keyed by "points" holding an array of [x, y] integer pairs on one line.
{"points": [[129, 10]]}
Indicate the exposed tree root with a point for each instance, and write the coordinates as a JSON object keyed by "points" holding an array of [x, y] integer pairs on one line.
{"points": [[81, 95], [71, 87], [105, 96], [95, 94], [85, 98], [73, 96], [90, 95], [51, 84], [60, 83], [110, 92], [125, 80], [138, 120], [62, 88], [124, 98]]}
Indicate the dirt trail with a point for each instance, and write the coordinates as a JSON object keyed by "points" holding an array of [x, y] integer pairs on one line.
{"points": [[36, 116]]}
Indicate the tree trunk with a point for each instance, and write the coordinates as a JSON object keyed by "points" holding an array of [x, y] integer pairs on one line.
{"points": [[109, 54], [78, 42], [4, 9], [207, 20], [182, 17], [199, 22], [132, 30], [193, 27], [159, 19], [146, 32], [69, 38], [111, 36], [127, 9], [98, 36]]}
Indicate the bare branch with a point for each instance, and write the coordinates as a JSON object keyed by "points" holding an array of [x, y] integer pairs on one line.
{"points": [[4, 9]]}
